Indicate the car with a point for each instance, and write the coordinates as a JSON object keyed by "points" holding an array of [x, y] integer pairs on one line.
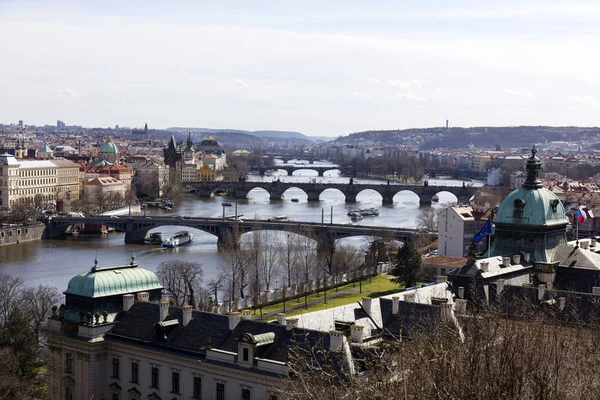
{"points": [[114, 216]]}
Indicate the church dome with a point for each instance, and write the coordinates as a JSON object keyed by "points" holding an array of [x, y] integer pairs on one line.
{"points": [[109, 147], [532, 204]]}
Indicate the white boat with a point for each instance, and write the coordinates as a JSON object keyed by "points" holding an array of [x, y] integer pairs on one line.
{"points": [[356, 216], [279, 218], [365, 212], [178, 239]]}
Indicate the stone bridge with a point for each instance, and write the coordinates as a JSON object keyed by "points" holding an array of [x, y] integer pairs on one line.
{"points": [[276, 189], [290, 169], [136, 228]]}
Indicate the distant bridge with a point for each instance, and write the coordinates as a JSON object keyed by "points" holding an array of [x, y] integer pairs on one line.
{"points": [[290, 169], [276, 189], [136, 228]]}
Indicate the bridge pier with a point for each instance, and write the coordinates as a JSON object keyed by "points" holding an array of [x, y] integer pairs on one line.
{"points": [[350, 197], [228, 238], [321, 172], [325, 243], [313, 196], [204, 193], [388, 198]]}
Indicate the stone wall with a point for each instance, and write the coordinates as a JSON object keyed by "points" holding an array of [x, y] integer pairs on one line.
{"points": [[11, 234]]}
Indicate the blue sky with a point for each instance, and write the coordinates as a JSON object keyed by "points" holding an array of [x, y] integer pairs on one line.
{"points": [[318, 67]]}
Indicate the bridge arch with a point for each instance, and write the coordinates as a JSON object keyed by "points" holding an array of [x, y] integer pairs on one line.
{"points": [[333, 194], [369, 196], [445, 196], [258, 192], [294, 192], [302, 171], [406, 197]]}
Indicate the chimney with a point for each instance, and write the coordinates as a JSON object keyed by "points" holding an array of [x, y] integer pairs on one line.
{"points": [[164, 310], [541, 291], [562, 302], [234, 319], [596, 291], [395, 305], [366, 305], [335, 340], [187, 315], [461, 292], [526, 257], [517, 259], [446, 311], [461, 306], [356, 333], [549, 285], [281, 318], [584, 244], [291, 323], [506, 261], [165, 298], [143, 296], [441, 279], [484, 265], [593, 244], [128, 300], [246, 314], [409, 297]]}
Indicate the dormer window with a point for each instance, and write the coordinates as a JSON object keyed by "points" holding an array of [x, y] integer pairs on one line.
{"points": [[518, 207]]}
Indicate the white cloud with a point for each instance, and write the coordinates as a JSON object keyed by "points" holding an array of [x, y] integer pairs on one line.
{"points": [[374, 81], [410, 97], [583, 102], [362, 95], [241, 83], [413, 83], [66, 92], [517, 93]]}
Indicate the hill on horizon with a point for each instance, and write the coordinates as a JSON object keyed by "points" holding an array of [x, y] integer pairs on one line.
{"points": [[272, 134]]}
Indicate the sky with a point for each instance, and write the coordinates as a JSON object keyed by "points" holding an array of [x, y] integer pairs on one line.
{"points": [[323, 68]]}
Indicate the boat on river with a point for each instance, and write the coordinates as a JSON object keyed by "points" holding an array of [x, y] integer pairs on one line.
{"points": [[364, 212], [435, 198], [355, 216], [154, 238], [179, 238]]}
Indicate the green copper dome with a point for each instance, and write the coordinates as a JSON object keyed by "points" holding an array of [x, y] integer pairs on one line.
{"points": [[109, 147], [531, 204], [113, 281]]}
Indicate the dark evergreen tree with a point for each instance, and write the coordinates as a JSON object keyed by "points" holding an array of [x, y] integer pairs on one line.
{"points": [[407, 266]]}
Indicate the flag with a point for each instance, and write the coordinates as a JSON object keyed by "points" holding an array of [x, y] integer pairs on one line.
{"points": [[486, 230], [581, 215]]}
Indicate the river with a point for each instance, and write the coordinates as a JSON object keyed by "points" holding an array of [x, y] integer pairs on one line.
{"points": [[54, 262]]}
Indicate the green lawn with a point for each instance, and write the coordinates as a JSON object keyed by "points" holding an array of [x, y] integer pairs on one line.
{"points": [[375, 287]]}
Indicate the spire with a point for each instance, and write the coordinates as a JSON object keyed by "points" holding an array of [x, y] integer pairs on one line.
{"points": [[172, 143], [190, 145], [533, 169]]}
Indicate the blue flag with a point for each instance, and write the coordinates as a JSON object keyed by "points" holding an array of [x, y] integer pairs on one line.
{"points": [[486, 230]]}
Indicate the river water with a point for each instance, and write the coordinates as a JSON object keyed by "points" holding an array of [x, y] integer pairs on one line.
{"points": [[54, 262]]}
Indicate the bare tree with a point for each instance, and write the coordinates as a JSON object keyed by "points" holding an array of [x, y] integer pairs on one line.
{"points": [[427, 219], [289, 257], [182, 279], [270, 256]]}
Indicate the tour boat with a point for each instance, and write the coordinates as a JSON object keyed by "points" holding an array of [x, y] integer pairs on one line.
{"points": [[279, 218], [356, 216], [154, 238], [178, 239], [367, 212]]}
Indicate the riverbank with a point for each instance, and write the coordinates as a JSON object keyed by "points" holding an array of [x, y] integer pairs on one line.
{"points": [[14, 234]]}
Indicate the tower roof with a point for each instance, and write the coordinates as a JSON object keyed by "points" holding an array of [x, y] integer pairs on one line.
{"points": [[113, 281], [532, 204], [109, 147]]}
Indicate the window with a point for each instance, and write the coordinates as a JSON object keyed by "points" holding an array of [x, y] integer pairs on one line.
{"points": [[220, 391], [154, 377], [68, 393], [115, 366], [175, 382], [135, 368], [115, 396], [245, 354], [246, 394], [69, 366], [197, 387]]}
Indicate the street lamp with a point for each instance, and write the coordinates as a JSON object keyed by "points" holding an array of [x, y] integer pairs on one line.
{"points": [[225, 205]]}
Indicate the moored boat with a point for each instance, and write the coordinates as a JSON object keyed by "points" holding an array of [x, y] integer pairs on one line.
{"points": [[179, 238]]}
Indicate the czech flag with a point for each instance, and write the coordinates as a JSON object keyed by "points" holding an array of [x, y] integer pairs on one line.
{"points": [[581, 215]]}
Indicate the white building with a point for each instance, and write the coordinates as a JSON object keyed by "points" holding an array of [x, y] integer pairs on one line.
{"points": [[39, 181], [494, 177], [457, 226]]}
